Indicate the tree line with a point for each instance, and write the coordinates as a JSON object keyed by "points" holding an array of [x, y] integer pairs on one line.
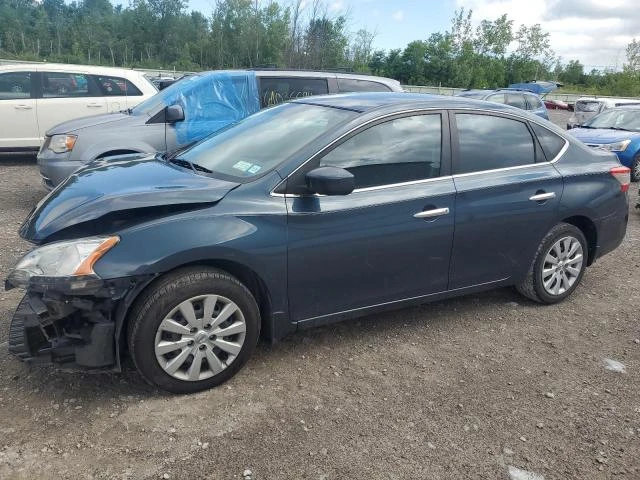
{"points": [[249, 33]]}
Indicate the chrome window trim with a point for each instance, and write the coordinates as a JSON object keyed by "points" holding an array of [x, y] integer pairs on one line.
{"points": [[562, 151]]}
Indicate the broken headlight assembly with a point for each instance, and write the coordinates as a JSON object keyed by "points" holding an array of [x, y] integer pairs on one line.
{"points": [[72, 259]]}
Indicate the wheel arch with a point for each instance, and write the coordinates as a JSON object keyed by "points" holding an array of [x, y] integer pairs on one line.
{"points": [[247, 276], [590, 232]]}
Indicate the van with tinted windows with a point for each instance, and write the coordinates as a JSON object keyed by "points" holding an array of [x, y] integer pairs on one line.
{"points": [[36, 96]]}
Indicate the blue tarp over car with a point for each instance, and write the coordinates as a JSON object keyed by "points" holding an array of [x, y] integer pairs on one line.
{"points": [[211, 101]]}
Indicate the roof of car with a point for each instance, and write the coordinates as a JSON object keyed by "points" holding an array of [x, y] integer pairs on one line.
{"points": [[363, 102]]}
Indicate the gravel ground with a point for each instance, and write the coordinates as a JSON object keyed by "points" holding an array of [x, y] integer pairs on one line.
{"points": [[487, 386]]}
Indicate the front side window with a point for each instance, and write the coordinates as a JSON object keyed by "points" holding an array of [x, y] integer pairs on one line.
{"points": [[497, 97], [15, 85], [260, 142], [66, 85], [397, 151], [487, 142], [116, 86], [346, 85], [274, 91]]}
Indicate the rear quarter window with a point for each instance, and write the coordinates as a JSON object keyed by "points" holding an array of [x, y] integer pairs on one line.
{"points": [[116, 86], [346, 85], [551, 143]]}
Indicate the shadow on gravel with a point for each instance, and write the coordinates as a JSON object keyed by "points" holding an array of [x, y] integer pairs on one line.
{"points": [[96, 387], [17, 160]]}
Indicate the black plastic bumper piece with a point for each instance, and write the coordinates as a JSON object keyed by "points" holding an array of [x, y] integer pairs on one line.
{"points": [[17, 338]]}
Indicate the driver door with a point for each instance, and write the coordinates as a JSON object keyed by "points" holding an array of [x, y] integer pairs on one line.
{"points": [[390, 239]]}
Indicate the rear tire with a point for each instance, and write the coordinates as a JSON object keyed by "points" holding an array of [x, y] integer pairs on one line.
{"points": [[193, 329], [558, 265], [635, 169]]}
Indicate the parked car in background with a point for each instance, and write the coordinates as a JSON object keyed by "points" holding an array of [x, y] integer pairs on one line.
{"points": [[522, 99], [588, 107], [187, 111], [557, 104], [35, 97], [304, 214], [616, 130]]}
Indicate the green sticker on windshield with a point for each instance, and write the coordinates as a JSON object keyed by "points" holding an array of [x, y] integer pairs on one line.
{"points": [[242, 166]]}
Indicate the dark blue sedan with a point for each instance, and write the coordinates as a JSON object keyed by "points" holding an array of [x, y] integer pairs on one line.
{"points": [[616, 130], [312, 212]]}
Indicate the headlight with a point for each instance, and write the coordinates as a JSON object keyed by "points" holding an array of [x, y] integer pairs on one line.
{"points": [[62, 143], [616, 147], [61, 259]]}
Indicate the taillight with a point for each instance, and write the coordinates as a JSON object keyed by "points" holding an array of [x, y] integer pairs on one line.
{"points": [[623, 175]]}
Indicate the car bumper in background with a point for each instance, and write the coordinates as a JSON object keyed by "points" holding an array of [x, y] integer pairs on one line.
{"points": [[55, 167]]}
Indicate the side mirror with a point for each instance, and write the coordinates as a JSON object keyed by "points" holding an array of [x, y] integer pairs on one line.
{"points": [[173, 114], [330, 181]]}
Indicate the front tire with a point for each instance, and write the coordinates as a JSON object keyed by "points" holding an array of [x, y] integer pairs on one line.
{"points": [[193, 329], [558, 266]]}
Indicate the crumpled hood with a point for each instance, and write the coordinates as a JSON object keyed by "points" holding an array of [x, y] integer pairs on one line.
{"points": [[601, 135], [84, 122], [119, 184]]}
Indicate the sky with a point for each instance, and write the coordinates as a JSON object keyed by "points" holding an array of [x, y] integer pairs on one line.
{"points": [[595, 32]]}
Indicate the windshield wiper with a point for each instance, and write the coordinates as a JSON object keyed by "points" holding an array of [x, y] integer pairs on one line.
{"points": [[187, 164], [619, 128]]}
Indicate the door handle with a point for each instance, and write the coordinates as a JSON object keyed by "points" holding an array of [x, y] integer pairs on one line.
{"points": [[436, 212], [541, 197], [23, 107], [94, 105]]}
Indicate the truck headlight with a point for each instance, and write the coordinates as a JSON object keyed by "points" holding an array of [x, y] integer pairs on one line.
{"points": [[72, 258], [62, 143], [616, 147]]}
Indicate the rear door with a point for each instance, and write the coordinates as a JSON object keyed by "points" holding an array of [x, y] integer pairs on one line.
{"points": [[18, 111], [390, 239], [65, 96], [508, 198]]}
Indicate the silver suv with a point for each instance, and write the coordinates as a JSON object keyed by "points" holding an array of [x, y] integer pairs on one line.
{"points": [[186, 112]]}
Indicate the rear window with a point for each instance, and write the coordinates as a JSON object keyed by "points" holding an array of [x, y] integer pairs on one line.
{"points": [[587, 106], [551, 143], [534, 102], [276, 90], [346, 85]]}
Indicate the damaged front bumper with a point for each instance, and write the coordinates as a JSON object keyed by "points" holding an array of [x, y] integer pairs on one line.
{"points": [[75, 326]]}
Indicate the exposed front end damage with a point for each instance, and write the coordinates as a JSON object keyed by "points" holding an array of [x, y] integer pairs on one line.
{"points": [[75, 323]]}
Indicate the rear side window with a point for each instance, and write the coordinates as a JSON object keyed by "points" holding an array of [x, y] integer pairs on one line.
{"points": [[587, 106], [534, 102], [116, 86], [551, 142], [352, 85], [67, 85], [274, 91], [487, 143], [401, 150], [516, 100], [15, 85]]}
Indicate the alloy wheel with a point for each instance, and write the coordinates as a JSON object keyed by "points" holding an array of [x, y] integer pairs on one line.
{"points": [[562, 265]]}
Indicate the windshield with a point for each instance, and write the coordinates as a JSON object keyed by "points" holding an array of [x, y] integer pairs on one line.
{"points": [[478, 95], [617, 119], [260, 142], [587, 106]]}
